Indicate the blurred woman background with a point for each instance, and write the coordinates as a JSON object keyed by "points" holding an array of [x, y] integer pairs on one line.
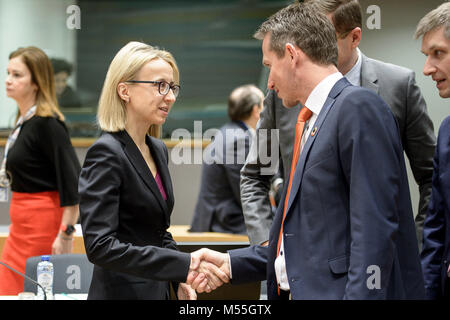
{"points": [[40, 166]]}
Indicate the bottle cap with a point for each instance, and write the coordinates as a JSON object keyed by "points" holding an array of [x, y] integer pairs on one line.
{"points": [[45, 258]]}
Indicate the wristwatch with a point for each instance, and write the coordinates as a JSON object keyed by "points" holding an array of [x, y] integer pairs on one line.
{"points": [[68, 229]]}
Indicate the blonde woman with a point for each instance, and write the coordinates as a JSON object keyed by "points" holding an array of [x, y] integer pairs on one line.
{"points": [[125, 186], [40, 167]]}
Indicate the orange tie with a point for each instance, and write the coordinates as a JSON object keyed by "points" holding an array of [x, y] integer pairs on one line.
{"points": [[303, 116]]}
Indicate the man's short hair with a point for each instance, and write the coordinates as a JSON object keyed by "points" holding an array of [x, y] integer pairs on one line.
{"points": [[346, 14], [439, 17], [242, 100], [301, 24]]}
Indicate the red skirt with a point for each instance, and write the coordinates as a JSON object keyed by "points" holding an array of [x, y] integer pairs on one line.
{"points": [[35, 221]]}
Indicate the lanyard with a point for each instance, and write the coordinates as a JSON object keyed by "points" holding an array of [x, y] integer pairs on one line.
{"points": [[4, 181]]}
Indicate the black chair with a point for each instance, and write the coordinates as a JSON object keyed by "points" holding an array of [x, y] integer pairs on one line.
{"points": [[72, 273]]}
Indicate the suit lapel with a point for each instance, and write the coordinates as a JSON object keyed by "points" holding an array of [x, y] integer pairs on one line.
{"points": [[139, 164], [298, 174], [369, 78]]}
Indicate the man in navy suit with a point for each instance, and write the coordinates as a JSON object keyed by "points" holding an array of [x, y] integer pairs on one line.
{"points": [[218, 207], [348, 230], [435, 29], [396, 85]]}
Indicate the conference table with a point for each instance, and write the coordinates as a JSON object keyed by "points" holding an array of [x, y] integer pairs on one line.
{"points": [[180, 234]]}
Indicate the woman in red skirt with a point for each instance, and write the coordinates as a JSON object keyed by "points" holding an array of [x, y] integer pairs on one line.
{"points": [[40, 167]]}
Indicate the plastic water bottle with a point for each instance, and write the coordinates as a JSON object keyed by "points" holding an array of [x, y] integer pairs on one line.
{"points": [[45, 278]]}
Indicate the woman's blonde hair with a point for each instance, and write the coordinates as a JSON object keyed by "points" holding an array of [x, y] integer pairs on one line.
{"points": [[42, 75], [111, 115]]}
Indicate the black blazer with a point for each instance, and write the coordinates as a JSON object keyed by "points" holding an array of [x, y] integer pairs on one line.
{"points": [[125, 219]]}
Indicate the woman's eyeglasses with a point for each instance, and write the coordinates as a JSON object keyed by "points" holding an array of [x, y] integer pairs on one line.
{"points": [[163, 86]]}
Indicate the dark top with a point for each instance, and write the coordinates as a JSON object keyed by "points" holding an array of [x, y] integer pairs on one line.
{"points": [[160, 185], [43, 159]]}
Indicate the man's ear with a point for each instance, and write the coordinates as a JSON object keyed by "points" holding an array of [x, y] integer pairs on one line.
{"points": [[122, 91], [294, 54], [256, 110], [291, 51], [356, 37]]}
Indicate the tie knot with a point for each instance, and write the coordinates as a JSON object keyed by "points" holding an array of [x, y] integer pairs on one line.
{"points": [[304, 114]]}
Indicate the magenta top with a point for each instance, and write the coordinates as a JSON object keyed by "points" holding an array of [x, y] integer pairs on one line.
{"points": [[160, 186]]}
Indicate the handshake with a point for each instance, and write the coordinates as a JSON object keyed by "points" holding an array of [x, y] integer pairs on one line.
{"points": [[208, 270]]}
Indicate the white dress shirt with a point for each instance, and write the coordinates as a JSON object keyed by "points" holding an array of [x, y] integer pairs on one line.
{"points": [[315, 102]]}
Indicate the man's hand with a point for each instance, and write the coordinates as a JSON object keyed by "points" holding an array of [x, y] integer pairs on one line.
{"points": [[208, 271]]}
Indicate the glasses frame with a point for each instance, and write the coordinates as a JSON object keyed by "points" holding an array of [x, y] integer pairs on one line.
{"points": [[172, 86]]}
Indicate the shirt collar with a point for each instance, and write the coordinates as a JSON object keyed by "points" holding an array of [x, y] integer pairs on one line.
{"points": [[354, 75], [252, 132], [319, 95]]}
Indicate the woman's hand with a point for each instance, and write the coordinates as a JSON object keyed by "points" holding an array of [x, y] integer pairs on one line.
{"points": [[185, 292], [62, 244]]}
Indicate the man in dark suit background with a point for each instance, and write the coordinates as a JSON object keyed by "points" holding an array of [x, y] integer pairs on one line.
{"points": [[435, 29], [218, 207], [395, 85], [348, 231]]}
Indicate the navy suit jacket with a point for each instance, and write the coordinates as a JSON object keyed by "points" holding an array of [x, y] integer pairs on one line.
{"points": [[349, 231], [218, 207], [436, 233], [125, 219]]}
